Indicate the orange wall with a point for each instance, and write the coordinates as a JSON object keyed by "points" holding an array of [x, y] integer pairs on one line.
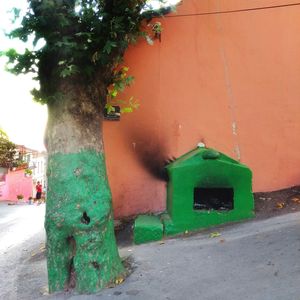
{"points": [[231, 80]]}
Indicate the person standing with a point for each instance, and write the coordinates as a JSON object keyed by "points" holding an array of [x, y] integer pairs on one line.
{"points": [[38, 189]]}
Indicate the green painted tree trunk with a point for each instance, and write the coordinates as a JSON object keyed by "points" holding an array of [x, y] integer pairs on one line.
{"points": [[81, 247]]}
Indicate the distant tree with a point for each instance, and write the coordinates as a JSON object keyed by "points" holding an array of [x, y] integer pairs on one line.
{"points": [[7, 151], [78, 69]]}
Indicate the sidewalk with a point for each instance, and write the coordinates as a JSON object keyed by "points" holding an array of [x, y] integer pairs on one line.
{"points": [[257, 260]]}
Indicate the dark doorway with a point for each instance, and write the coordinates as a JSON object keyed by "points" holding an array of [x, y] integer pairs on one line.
{"points": [[213, 198]]}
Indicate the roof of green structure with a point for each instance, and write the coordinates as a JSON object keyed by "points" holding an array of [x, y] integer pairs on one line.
{"points": [[200, 155]]}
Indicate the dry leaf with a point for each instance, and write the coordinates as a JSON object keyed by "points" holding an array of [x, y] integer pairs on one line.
{"points": [[296, 200], [280, 205], [44, 291], [214, 234], [119, 280]]}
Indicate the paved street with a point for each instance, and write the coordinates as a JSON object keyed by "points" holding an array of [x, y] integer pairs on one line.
{"points": [[256, 260], [21, 236]]}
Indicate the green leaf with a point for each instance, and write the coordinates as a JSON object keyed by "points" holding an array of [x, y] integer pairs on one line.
{"points": [[114, 93], [69, 71], [109, 108], [16, 14], [108, 46], [126, 110], [214, 234]]}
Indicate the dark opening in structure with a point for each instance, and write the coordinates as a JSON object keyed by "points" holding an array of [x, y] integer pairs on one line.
{"points": [[213, 198], [85, 219], [71, 282]]}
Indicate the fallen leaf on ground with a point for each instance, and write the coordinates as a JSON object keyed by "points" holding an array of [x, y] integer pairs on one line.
{"points": [[222, 241], [44, 291], [42, 248], [119, 280], [296, 200], [214, 234], [280, 205]]}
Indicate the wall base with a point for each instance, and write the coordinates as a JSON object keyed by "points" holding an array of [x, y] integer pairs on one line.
{"points": [[154, 228]]}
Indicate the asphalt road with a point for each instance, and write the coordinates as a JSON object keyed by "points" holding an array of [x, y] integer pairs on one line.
{"points": [[21, 240], [255, 260]]}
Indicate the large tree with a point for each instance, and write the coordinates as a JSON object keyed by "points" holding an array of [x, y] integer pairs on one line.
{"points": [[84, 42]]}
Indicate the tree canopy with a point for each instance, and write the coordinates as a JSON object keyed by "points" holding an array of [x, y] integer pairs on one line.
{"points": [[83, 39], [7, 151], [84, 44]]}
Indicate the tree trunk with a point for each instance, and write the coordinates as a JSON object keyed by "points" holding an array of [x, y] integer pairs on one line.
{"points": [[81, 246]]}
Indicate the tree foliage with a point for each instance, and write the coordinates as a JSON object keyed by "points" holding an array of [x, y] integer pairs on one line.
{"points": [[83, 40], [7, 152]]}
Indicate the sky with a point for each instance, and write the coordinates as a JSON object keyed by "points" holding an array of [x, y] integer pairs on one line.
{"points": [[20, 117]]}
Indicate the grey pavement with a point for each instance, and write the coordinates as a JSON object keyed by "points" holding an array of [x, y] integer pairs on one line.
{"points": [[257, 260], [21, 240]]}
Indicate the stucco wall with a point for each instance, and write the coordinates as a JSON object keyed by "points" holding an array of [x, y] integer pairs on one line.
{"points": [[15, 184], [231, 80]]}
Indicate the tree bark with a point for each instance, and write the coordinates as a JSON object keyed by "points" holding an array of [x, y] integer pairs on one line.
{"points": [[81, 246]]}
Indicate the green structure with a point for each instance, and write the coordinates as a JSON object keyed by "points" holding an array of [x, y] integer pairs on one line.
{"points": [[148, 229], [205, 188]]}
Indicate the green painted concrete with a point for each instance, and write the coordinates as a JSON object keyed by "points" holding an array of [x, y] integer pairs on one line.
{"points": [[81, 246], [147, 229], [205, 168]]}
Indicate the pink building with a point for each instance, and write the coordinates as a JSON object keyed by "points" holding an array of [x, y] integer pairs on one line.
{"points": [[13, 183]]}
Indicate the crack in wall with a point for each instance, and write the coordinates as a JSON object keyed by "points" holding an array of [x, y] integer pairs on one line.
{"points": [[230, 94]]}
